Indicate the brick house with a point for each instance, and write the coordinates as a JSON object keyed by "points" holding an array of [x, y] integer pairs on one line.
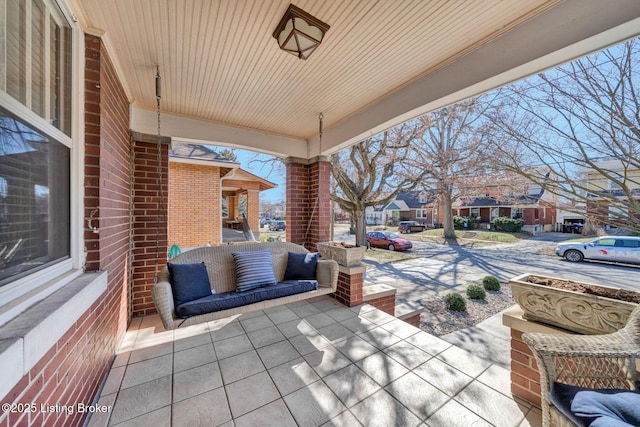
{"points": [[207, 192], [417, 205], [82, 241]]}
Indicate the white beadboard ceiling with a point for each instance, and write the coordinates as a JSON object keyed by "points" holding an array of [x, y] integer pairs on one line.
{"points": [[219, 62]]}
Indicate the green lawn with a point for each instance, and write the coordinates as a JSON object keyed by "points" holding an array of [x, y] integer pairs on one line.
{"points": [[384, 255], [467, 237]]}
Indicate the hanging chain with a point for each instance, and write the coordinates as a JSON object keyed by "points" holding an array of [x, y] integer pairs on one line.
{"points": [[160, 203]]}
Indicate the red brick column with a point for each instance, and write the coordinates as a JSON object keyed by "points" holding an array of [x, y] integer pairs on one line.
{"points": [[253, 209], [149, 222], [308, 201], [525, 378], [350, 282]]}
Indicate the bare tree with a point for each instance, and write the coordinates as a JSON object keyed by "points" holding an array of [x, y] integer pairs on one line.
{"points": [[580, 121], [453, 154], [374, 171]]}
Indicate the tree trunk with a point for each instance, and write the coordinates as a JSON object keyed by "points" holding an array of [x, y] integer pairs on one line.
{"points": [[361, 228], [449, 231]]}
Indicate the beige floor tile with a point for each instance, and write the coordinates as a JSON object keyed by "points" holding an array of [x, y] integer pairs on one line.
{"points": [[308, 344], [293, 375], [283, 316], [224, 331], [345, 419], [380, 338], [195, 381], [533, 418], [141, 399], [417, 395], [351, 385], [114, 380], [256, 323], [277, 354], [305, 310], [341, 313], [497, 378], [464, 361], [335, 333], [378, 317], [274, 414], [207, 409], [192, 341], [147, 370], [240, 366], [400, 328], [193, 357], [443, 376], [251, 393], [151, 352], [358, 324], [326, 361], [382, 410], [382, 368], [429, 343], [314, 404], [319, 320]]}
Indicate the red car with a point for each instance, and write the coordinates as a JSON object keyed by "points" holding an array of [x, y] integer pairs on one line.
{"points": [[388, 240]]}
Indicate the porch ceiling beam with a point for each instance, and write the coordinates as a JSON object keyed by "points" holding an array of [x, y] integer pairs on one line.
{"points": [[201, 131], [565, 32], [244, 185]]}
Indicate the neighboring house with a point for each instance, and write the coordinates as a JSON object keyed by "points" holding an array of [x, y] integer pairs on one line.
{"points": [[535, 206], [207, 192], [604, 192], [417, 205], [570, 218], [376, 215]]}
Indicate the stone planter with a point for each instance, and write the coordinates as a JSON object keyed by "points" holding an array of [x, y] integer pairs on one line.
{"points": [[348, 256], [581, 312]]}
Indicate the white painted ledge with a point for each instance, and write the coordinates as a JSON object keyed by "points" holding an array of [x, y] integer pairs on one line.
{"points": [[29, 336]]}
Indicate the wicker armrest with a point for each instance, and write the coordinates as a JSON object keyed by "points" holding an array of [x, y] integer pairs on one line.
{"points": [[163, 300], [596, 346], [327, 273]]}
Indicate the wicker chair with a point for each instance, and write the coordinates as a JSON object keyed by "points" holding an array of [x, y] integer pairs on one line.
{"points": [[593, 361]]}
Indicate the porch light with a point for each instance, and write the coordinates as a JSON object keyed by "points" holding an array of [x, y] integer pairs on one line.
{"points": [[299, 33]]}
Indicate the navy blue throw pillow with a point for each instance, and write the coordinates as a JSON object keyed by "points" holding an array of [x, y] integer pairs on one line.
{"points": [[597, 407], [188, 282], [301, 266], [253, 269]]}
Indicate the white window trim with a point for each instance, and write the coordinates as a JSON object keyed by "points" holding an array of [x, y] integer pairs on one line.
{"points": [[20, 294]]}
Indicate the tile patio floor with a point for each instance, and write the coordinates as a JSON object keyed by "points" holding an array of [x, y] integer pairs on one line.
{"points": [[309, 363]]}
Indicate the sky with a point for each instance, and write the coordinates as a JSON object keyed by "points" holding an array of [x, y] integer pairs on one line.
{"points": [[247, 160]]}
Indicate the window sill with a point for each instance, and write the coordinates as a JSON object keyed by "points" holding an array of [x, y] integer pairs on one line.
{"points": [[30, 335]]}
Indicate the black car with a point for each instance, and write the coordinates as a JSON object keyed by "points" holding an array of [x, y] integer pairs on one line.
{"points": [[277, 226], [410, 227]]}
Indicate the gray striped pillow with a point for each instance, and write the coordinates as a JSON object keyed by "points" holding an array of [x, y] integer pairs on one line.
{"points": [[253, 269]]}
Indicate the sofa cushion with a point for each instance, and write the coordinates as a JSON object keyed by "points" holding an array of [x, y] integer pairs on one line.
{"points": [[301, 266], [227, 300], [188, 282], [596, 407], [253, 269]]}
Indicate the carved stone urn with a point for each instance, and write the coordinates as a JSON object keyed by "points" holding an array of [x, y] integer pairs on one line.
{"points": [[576, 306], [344, 254]]}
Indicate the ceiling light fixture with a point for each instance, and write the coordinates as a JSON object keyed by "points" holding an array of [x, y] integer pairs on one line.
{"points": [[299, 33]]}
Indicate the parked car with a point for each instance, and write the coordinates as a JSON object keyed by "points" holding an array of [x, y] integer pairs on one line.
{"points": [[264, 222], [388, 240], [605, 248], [277, 226], [410, 227]]}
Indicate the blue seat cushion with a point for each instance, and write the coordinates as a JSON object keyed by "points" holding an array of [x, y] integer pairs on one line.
{"points": [[188, 282], [301, 266], [597, 407], [227, 300]]}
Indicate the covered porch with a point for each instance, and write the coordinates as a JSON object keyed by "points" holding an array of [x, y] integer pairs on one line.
{"points": [[135, 76]]}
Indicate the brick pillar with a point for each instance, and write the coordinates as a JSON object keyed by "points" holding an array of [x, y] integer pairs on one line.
{"points": [[525, 378], [350, 282], [149, 222], [308, 201], [253, 209], [233, 206]]}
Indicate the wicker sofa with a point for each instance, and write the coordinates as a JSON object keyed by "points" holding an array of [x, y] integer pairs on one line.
{"points": [[220, 267]]}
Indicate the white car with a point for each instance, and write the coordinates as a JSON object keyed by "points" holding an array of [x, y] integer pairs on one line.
{"points": [[606, 248]]}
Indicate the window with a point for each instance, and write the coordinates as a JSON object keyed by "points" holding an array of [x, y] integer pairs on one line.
{"points": [[627, 243], [35, 144], [517, 213], [421, 213], [475, 212], [606, 242], [225, 207]]}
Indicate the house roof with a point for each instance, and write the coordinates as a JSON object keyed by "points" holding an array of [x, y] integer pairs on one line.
{"points": [[397, 205], [199, 152], [412, 198], [225, 80], [484, 202]]}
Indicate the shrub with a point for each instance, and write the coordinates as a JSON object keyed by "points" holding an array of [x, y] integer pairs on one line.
{"points": [[491, 283], [476, 292], [458, 222], [455, 302], [266, 238], [507, 224]]}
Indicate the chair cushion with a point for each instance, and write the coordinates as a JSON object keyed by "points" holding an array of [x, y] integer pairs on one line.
{"points": [[188, 282], [597, 407], [253, 269], [227, 300], [301, 266]]}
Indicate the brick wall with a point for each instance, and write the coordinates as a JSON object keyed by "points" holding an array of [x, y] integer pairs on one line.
{"points": [[308, 203], [525, 379], [194, 204], [253, 209], [149, 220], [349, 290], [72, 371], [386, 304]]}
